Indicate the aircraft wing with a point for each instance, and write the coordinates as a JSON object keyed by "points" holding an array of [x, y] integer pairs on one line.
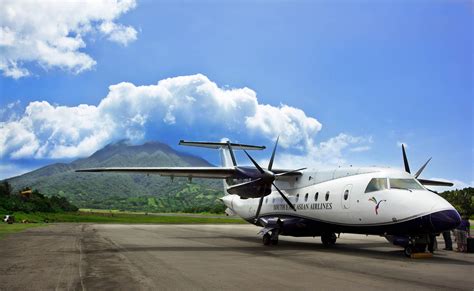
{"points": [[190, 172]]}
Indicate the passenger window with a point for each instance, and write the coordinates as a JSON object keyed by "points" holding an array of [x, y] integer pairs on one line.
{"points": [[376, 184], [327, 195], [346, 194], [297, 197], [306, 197], [316, 196]]}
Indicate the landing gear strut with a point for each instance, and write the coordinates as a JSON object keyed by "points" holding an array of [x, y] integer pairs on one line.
{"points": [[270, 238], [328, 239]]}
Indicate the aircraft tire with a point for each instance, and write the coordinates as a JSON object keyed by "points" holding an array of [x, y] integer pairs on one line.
{"points": [[267, 239], [328, 239], [409, 249]]}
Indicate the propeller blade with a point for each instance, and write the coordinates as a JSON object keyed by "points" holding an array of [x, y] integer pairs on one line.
{"points": [[289, 172], [405, 160], [418, 173], [232, 189], [435, 183], [259, 208], [284, 197], [255, 163], [270, 164]]}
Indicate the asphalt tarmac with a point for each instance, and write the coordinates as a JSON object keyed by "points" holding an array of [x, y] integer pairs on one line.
{"points": [[209, 257]]}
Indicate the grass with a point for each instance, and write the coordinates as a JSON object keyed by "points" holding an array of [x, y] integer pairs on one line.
{"points": [[106, 216], [119, 217], [16, 227], [151, 213]]}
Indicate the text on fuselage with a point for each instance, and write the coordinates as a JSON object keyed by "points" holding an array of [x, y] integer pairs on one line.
{"points": [[304, 206]]}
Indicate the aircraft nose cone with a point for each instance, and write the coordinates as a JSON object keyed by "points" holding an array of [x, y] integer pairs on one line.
{"points": [[445, 220]]}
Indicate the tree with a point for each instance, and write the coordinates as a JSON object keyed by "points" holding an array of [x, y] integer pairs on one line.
{"points": [[462, 200], [5, 189]]}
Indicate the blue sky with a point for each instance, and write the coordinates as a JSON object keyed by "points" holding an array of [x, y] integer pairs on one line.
{"points": [[372, 73]]}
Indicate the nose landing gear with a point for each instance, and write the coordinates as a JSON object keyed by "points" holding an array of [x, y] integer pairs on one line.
{"points": [[419, 244]]}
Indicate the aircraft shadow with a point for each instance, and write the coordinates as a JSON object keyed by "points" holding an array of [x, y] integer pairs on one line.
{"points": [[257, 249]]}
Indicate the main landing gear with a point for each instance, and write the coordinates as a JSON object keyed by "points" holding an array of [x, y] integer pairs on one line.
{"points": [[328, 239], [270, 239]]}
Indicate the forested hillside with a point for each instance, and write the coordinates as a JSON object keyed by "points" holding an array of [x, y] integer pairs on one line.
{"points": [[126, 191]]}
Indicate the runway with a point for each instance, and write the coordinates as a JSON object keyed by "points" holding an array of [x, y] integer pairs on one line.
{"points": [[209, 257]]}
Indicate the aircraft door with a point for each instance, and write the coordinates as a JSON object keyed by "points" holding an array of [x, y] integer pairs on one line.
{"points": [[346, 197]]}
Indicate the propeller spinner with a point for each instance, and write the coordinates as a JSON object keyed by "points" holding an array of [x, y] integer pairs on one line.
{"points": [[266, 181]]}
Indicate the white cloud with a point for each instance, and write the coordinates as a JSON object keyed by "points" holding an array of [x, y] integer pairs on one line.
{"points": [[327, 153], [118, 33], [51, 33], [292, 123], [360, 149], [128, 111]]}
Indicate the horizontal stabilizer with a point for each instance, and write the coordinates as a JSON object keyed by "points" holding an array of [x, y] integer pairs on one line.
{"points": [[218, 145], [434, 183]]}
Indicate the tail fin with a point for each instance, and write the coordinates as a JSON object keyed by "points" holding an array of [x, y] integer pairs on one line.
{"points": [[226, 150]]}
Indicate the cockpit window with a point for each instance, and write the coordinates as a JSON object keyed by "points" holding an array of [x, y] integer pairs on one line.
{"points": [[408, 184], [376, 184]]}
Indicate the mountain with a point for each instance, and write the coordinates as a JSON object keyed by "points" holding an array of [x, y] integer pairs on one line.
{"points": [[127, 191]]}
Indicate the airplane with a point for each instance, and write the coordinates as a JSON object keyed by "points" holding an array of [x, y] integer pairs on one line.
{"points": [[323, 202]]}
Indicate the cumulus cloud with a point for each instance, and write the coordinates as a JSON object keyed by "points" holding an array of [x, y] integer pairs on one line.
{"points": [[326, 153], [360, 149], [45, 130], [51, 33], [297, 128]]}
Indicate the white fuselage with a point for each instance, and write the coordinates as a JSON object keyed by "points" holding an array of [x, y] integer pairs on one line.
{"points": [[339, 196]]}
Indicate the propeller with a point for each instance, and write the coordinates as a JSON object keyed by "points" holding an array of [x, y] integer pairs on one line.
{"points": [[422, 168], [267, 180], [405, 160], [418, 173]]}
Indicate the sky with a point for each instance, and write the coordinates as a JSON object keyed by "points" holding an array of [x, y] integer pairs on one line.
{"points": [[341, 82]]}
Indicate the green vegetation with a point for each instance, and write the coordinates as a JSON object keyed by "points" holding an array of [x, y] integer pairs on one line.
{"points": [[132, 192], [31, 201], [189, 198], [462, 200], [118, 217]]}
